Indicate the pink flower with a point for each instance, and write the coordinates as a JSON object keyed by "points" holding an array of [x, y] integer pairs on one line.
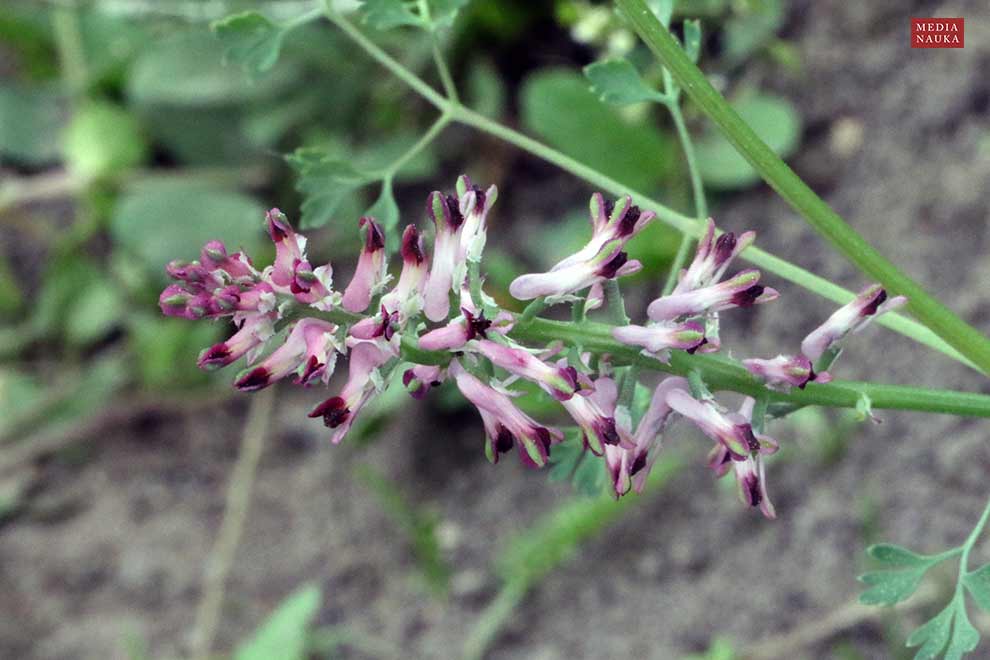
{"points": [[254, 331], [339, 412], [712, 258], [446, 215], [505, 424], [600, 259], [731, 431], [785, 371], [370, 271], [237, 266], [421, 378], [471, 324], [474, 205], [657, 338], [750, 472], [853, 317], [591, 413], [741, 290], [559, 382], [289, 249], [406, 299], [310, 350]]}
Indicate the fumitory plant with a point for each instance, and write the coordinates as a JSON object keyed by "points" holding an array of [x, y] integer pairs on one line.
{"points": [[431, 319]]}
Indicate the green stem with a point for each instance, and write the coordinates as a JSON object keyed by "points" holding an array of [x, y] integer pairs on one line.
{"points": [[424, 141], [615, 305], [972, 538], [773, 264], [931, 312], [71, 52], [721, 374], [697, 190]]}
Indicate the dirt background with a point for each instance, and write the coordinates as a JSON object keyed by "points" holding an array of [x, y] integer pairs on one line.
{"points": [[897, 140]]}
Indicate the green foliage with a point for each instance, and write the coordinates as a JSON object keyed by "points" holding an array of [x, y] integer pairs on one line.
{"points": [[388, 14], [485, 91], [616, 81], [720, 649], [250, 41], [752, 28], [773, 118], [978, 584], [949, 632], [160, 220], [557, 105], [419, 526], [159, 344], [103, 139], [325, 182], [906, 569], [284, 634], [571, 461], [386, 211], [29, 117]]}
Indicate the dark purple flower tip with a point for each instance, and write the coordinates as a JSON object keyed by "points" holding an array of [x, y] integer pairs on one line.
{"points": [[479, 199], [693, 349], [504, 440], [609, 269], [454, 210], [571, 376], [253, 379], [412, 246], [214, 357], [638, 463], [629, 219], [751, 489], [543, 440], [724, 245], [313, 367], [747, 297], [477, 326], [871, 308], [334, 412], [609, 207], [374, 239], [278, 225], [607, 431], [746, 431]]}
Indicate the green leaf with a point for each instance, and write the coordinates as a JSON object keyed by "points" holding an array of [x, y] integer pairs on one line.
{"points": [[445, 11], [558, 106], [692, 39], [570, 461], [324, 183], [890, 587], [103, 139], [284, 634], [388, 14], [160, 220], [386, 211], [29, 117], [897, 556], [485, 90], [752, 29], [250, 41], [773, 118], [965, 636], [616, 81], [160, 344], [933, 636], [978, 584], [92, 313], [664, 10], [187, 69]]}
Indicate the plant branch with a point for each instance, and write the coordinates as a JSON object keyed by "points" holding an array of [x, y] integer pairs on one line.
{"points": [[686, 224], [232, 528], [930, 311], [697, 191], [424, 141]]}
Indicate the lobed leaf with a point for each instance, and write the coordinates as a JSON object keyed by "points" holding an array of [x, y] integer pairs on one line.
{"points": [[388, 14], [250, 40], [386, 211], [890, 587], [897, 556], [616, 81], [950, 632], [978, 584], [324, 182]]}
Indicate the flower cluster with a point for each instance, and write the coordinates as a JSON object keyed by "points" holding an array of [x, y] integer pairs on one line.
{"points": [[436, 323]]}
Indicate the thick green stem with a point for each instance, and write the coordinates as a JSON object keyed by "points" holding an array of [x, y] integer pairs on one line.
{"points": [[966, 339], [756, 256]]}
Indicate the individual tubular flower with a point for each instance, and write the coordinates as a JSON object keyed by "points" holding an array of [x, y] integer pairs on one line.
{"points": [[406, 298], [560, 382], [474, 205], [237, 266], [370, 271], [254, 331], [750, 473], [339, 412], [445, 212], [731, 431], [290, 249], [657, 338], [471, 324], [310, 351], [786, 371], [853, 317], [419, 379], [742, 290], [505, 424], [712, 258], [598, 426], [600, 259]]}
